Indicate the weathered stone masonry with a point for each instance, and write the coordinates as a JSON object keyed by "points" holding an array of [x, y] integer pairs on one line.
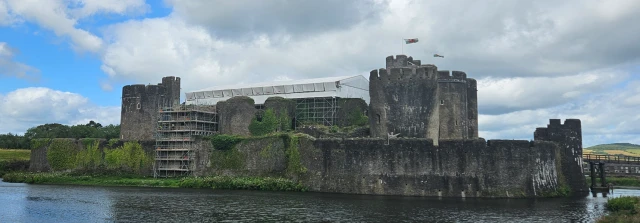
{"points": [[416, 100], [404, 100], [140, 106], [568, 136]]}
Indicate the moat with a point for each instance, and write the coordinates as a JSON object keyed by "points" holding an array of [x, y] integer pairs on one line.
{"points": [[55, 203]]}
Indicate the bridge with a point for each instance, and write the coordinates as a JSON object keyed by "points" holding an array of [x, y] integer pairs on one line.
{"points": [[615, 164]]}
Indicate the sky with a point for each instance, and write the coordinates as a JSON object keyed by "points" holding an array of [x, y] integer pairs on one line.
{"points": [[66, 61]]}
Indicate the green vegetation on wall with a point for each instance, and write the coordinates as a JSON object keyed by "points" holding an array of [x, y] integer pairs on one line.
{"points": [[357, 118], [90, 157], [227, 159], [225, 142], [62, 154], [39, 143], [284, 121], [65, 154], [294, 163], [269, 124], [129, 157]]}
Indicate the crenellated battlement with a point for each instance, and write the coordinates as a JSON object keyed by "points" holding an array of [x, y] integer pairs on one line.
{"points": [[556, 129], [135, 90], [455, 76], [397, 61], [405, 73], [568, 123], [170, 78], [472, 84]]}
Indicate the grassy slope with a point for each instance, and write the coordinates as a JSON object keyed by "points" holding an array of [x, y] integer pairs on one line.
{"points": [[14, 154], [627, 149]]}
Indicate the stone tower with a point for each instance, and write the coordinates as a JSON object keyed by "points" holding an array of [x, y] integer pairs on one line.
{"points": [[454, 117], [172, 91], [568, 136], [472, 107], [404, 99], [140, 106], [419, 101]]}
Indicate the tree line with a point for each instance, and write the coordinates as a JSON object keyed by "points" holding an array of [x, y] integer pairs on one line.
{"points": [[55, 130]]}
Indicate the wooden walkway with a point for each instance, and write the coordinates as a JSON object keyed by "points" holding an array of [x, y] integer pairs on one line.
{"points": [[619, 159]]}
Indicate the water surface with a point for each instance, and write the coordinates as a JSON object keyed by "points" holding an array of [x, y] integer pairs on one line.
{"points": [[57, 203]]}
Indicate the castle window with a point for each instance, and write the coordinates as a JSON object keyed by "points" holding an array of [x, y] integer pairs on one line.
{"points": [[441, 102], [378, 121], [138, 106]]}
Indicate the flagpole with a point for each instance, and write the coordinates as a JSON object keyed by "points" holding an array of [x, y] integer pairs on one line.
{"points": [[402, 44]]}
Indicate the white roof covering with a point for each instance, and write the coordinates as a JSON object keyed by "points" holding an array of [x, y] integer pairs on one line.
{"points": [[343, 87]]}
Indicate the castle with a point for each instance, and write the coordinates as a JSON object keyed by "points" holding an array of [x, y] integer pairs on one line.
{"points": [[421, 138], [407, 99]]}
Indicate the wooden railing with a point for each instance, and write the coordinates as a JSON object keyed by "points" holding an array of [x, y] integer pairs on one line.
{"points": [[620, 159]]}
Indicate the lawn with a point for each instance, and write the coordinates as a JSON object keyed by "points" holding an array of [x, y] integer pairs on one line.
{"points": [[14, 154]]}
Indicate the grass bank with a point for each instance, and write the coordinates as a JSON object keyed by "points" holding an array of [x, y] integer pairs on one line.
{"points": [[14, 154], [622, 209], [619, 181], [14, 160], [216, 182]]}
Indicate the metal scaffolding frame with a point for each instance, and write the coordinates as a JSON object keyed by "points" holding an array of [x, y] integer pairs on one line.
{"points": [[175, 131], [316, 111]]}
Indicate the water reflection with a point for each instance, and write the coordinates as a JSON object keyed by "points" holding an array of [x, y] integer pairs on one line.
{"points": [[49, 203]]}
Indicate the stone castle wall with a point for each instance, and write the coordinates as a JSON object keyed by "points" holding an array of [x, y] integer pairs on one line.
{"points": [[40, 163], [452, 92], [141, 104], [568, 136], [472, 108], [404, 101], [413, 167], [139, 112], [235, 115], [444, 105]]}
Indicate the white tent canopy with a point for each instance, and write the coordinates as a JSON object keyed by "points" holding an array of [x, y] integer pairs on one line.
{"points": [[342, 87]]}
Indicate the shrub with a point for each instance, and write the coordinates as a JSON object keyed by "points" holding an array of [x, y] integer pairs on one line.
{"points": [[269, 124], [622, 204], [225, 142]]}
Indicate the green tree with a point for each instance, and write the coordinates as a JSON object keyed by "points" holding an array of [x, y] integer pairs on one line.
{"points": [[13, 141], [51, 130], [111, 131]]}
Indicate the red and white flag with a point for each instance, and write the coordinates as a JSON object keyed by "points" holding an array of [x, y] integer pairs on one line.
{"points": [[410, 41]]}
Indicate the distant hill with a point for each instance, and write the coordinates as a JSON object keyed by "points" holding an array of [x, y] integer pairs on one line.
{"points": [[627, 149]]}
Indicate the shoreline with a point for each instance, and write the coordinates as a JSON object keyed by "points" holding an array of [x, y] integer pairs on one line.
{"points": [[214, 182]]}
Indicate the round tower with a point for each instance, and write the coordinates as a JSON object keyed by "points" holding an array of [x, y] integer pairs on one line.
{"points": [[139, 112], [452, 94], [172, 91], [403, 100], [472, 107]]}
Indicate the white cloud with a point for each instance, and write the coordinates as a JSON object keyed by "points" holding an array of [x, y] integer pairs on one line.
{"points": [[29, 107], [240, 19], [10, 67], [5, 17], [534, 60], [502, 95], [87, 8], [62, 17], [603, 115]]}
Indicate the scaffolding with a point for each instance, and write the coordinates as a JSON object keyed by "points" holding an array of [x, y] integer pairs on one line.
{"points": [[316, 111], [175, 131]]}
